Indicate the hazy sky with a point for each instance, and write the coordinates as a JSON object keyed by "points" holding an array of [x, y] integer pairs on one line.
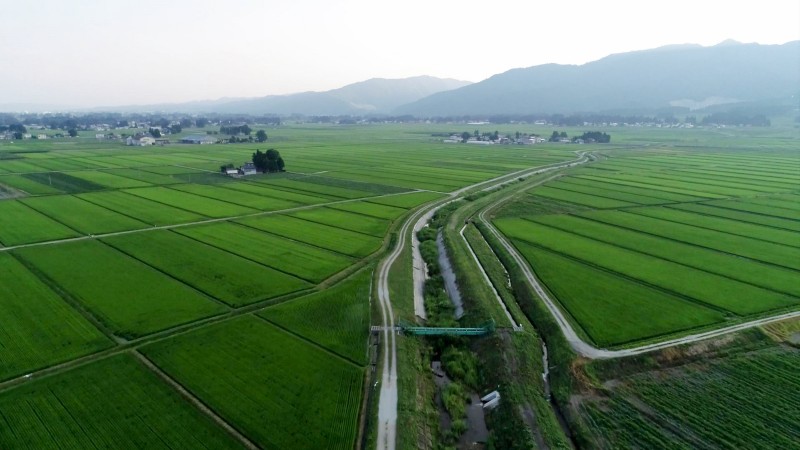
{"points": [[113, 52]]}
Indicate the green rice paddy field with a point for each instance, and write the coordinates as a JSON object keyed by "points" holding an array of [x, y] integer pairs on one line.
{"points": [[706, 238], [127, 271], [106, 248]]}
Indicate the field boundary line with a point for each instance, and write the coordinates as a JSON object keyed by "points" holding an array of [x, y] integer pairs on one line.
{"points": [[188, 224], [307, 340], [196, 402]]}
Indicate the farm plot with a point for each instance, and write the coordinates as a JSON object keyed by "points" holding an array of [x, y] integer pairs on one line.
{"points": [[579, 198], [313, 188], [344, 311], [126, 295], [190, 202], [64, 182], [147, 177], [114, 403], [711, 289], [740, 216], [247, 199], [610, 309], [731, 403], [407, 200], [225, 276], [331, 238], [738, 228], [606, 193], [39, 328], [108, 180], [279, 391], [266, 191], [304, 261], [371, 209], [611, 186], [81, 215], [750, 248], [27, 185], [147, 211], [748, 205], [20, 224], [346, 220], [731, 266]]}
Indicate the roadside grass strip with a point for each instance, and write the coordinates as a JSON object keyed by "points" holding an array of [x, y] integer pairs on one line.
{"points": [[346, 220], [589, 200], [738, 245], [721, 292], [764, 233], [407, 201], [759, 274], [81, 215], [109, 180], [278, 390], [113, 403], [310, 263], [20, 224], [190, 202], [260, 202], [336, 318], [371, 209], [610, 309], [147, 211], [222, 275], [27, 185], [339, 240], [38, 328], [126, 295], [739, 216]]}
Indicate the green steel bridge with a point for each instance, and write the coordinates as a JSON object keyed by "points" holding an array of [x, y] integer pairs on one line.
{"points": [[403, 327]]}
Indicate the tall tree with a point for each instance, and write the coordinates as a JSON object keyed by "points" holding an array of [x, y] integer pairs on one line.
{"points": [[261, 136]]}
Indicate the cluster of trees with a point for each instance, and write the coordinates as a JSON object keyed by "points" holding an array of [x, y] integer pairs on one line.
{"points": [[596, 136], [235, 130], [589, 136], [465, 136], [269, 161]]}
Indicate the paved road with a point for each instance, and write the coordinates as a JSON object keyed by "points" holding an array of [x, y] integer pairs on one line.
{"points": [[387, 405], [587, 350]]}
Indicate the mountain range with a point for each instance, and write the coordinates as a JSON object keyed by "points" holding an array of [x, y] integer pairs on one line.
{"points": [[684, 76], [373, 96], [688, 76]]}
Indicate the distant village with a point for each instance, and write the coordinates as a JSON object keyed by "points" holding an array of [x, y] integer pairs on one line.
{"points": [[495, 138]]}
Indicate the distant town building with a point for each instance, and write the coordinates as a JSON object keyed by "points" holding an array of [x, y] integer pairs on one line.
{"points": [[140, 141], [198, 139]]}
